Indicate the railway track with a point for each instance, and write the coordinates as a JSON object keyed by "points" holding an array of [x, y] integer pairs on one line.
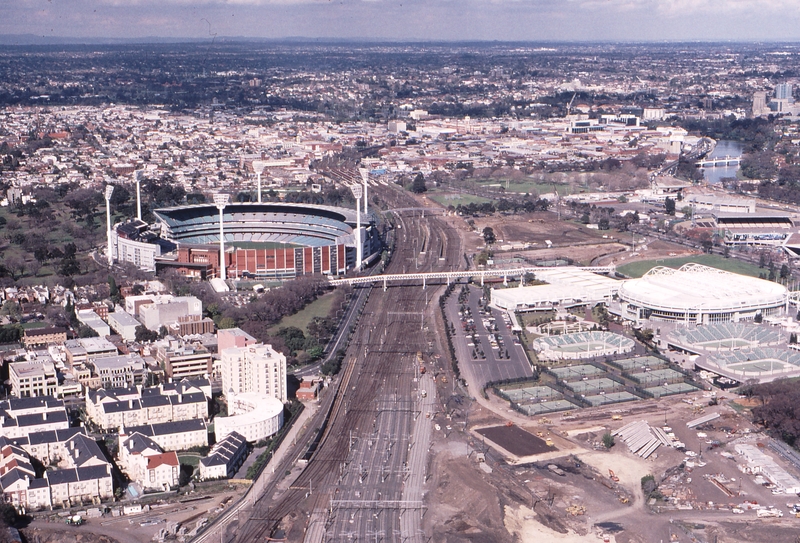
{"points": [[353, 485]]}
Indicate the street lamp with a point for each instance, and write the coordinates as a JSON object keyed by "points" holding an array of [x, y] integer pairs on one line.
{"points": [[364, 178], [108, 193], [258, 167], [137, 176], [221, 200], [357, 191]]}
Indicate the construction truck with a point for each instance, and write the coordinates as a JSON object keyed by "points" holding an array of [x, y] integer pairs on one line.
{"points": [[74, 520]]}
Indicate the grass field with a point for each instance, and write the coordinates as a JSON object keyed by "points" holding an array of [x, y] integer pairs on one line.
{"points": [[318, 308], [527, 187], [455, 200], [639, 268]]}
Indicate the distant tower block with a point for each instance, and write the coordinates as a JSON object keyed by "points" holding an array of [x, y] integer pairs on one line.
{"points": [[258, 167], [759, 103], [221, 200], [357, 190], [108, 193], [137, 176]]}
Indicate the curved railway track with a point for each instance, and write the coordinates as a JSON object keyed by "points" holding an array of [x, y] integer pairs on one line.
{"points": [[354, 481]]}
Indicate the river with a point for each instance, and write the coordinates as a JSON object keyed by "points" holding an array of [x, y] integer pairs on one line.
{"points": [[723, 148]]}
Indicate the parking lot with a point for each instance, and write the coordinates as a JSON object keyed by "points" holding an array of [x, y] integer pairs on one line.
{"points": [[486, 347]]}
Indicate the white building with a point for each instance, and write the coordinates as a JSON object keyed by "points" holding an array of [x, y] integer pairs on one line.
{"points": [[255, 416], [257, 369], [93, 321], [132, 242], [37, 378], [225, 458], [123, 323], [156, 315]]}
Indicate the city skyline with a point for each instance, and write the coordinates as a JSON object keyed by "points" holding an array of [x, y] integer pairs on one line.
{"points": [[401, 20]]}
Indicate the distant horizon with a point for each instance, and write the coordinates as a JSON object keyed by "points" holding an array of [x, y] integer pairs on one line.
{"points": [[415, 21], [35, 39]]}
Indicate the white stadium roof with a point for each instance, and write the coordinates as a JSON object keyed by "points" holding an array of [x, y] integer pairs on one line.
{"points": [[567, 284], [695, 287]]}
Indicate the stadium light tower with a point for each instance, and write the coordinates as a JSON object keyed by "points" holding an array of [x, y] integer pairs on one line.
{"points": [[258, 167], [364, 177], [221, 200], [357, 190], [108, 193], [137, 176]]}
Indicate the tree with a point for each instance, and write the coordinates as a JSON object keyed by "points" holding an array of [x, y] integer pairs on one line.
{"points": [[669, 206], [784, 273], [418, 185], [85, 331], [603, 224], [608, 440], [143, 335], [113, 290], [488, 235]]}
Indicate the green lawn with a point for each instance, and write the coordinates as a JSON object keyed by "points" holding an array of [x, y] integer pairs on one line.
{"points": [[318, 308], [639, 268], [190, 459]]}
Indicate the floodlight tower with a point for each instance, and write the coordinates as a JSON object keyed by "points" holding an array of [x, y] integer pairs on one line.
{"points": [[108, 193], [357, 190], [221, 200], [137, 176], [364, 177], [258, 167]]}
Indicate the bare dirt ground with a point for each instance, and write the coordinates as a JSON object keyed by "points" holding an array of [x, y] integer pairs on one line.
{"points": [[568, 239], [521, 500]]}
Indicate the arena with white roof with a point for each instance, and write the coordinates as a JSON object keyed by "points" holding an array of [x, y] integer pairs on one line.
{"points": [[699, 294]]}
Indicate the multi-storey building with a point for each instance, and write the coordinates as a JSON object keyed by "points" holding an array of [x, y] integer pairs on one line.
{"points": [[35, 378], [33, 337], [255, 369], [181, 360]]}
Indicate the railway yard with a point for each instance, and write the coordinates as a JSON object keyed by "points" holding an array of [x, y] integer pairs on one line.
{"points": [[368, 472]]}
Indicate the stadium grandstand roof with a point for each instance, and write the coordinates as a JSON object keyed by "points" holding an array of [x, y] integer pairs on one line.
{"points": [[695, 287], [300, 224]]}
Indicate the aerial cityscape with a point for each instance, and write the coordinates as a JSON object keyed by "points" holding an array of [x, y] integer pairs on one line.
{"points": [[405, 283]]}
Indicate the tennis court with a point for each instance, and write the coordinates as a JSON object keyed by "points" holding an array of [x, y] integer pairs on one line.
{"points": [[574, 373], [611, 397], [632, 364], [531, 393], [593, 385], [657, 376], [668, 390], [547, 407], [762, 366]]}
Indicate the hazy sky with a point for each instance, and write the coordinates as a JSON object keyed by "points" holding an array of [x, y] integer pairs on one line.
{"points": [[637, 20]]}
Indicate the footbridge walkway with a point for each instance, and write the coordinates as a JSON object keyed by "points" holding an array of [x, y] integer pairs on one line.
{"points": [[455, 275]]}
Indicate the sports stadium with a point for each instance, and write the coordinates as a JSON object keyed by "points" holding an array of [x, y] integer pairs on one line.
{"points": [[761, 364], [724, 336], [581, 345], [266, 240], [699, 294]]}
